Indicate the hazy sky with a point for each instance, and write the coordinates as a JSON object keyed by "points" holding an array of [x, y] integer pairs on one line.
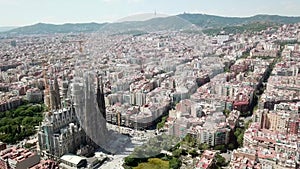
{"points": [[26, 12]]}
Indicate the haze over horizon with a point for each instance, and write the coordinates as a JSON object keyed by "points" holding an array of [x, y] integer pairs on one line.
{"points": [[21, 12]]}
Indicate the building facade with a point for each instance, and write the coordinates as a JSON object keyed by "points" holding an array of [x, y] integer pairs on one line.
{"points": [[60, 133]]}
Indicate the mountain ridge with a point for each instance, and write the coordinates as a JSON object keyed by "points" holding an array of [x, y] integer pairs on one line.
{"points": [[46, 28], [175, 22], [7, 28]]}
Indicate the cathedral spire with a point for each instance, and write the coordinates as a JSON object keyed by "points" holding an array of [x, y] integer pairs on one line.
{"points": [[57, 94], [51, 96]]}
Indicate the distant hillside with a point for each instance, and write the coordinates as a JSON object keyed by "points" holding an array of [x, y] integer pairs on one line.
{"points": [[208, 23], [6, 28], [211, 21], [42, 28], [171, 23], [183, 22], [249, 27], [141, 17]]}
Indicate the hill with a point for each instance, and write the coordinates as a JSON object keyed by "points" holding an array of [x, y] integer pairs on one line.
{"points": [[6, 28], [42, 28], [249, 27], [209, 23], [171, 23], [212, 21]]}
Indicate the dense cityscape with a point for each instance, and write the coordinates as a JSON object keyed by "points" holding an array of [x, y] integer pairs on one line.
{"points": [[165, 99]]}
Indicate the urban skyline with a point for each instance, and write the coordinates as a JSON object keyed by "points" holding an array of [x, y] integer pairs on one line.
{"points": [[188, 91]]}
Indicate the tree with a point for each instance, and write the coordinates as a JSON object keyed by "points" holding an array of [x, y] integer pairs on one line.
{"points": [[193, 153], [130, 161], [177, 153], [159, 125], [220, 161], [231, 146], [36, 108], [220, 147], [27, 121], [19, 123], [174, 163], [240, 139], [226, 112], [237, 132], [8, 114], [18, 120], [203, 146], [247, 124], [190, 140]]}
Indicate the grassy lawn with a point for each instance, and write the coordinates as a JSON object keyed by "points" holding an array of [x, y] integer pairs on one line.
{"points": [[154, 163]]}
